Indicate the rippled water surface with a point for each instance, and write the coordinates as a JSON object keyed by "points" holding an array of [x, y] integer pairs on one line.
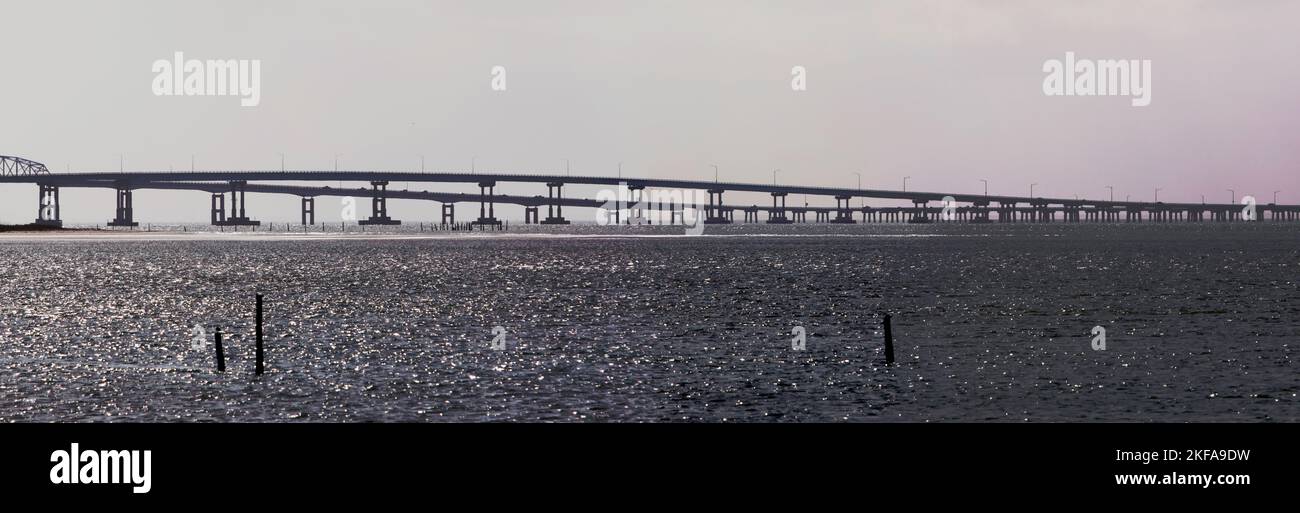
{"points": [[993, 323]]}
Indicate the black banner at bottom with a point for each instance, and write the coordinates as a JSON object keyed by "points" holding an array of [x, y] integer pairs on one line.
{"points": [[305, 463]]}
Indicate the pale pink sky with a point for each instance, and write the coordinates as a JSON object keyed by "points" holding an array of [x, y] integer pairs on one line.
{"points": [[947, 92]]}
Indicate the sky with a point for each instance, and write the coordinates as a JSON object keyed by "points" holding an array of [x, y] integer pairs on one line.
{"points": [[946, 92]]}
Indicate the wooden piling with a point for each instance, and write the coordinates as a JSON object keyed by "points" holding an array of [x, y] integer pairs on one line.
{"points": [[258, 369], [221, 353], [889, 342]]}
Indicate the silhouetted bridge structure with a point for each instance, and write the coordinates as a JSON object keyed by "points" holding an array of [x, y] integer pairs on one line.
{"points": [[648, 200]]}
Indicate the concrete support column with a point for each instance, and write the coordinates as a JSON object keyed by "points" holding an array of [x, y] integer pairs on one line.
{"points": [[308, 211], [486, 205], [47, 206], [379, 206]]}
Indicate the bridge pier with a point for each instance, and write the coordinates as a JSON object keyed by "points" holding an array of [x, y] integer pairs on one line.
{"points": [[308, 210], [1040, 213], [554, 210], [1070, 213], [673, 213], [777, 214], [379, 206], [448, 214], [486, 214], [843, 215], [218, 209], [635, 209], [530, 215], [237, 215], [920, 212], [125, 213], [714, 214], [47, 206]]}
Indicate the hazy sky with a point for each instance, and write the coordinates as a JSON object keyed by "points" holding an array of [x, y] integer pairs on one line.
{"points": [[947, 92]]}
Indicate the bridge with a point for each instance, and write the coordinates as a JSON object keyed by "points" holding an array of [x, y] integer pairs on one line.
{"points": [[649, 200]]}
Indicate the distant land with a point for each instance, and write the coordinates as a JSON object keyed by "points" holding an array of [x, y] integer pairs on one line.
{"points": [[33, 227]]}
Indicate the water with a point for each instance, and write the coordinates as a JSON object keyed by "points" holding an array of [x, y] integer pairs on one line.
{"points": [[993, 323]]}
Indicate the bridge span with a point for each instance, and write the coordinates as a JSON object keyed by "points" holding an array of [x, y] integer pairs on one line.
{"points": [[639, 198]]}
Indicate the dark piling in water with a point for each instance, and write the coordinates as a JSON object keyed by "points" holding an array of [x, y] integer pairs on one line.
{"points": [[889, 341], [258, 369], [221, 353]]}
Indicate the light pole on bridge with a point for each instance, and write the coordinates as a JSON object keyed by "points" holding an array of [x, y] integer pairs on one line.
{"points": [[715, 172], [1157, 197], [281, 162], [472, 162], [986, 186], [864, 200], [1031, 189], [620, 170], [566, 167], [1112, 192], [191, 162], [1234, 196], [905, 178], [1275, 197]]}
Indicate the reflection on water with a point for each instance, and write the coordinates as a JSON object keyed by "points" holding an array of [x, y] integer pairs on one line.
{"points": [[992, 323]]}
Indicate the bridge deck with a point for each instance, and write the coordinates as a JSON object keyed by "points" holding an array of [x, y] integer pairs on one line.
{"points": [[150, 179]]}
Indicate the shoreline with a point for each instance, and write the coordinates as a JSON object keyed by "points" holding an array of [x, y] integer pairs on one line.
{"points": [[31, 228]]}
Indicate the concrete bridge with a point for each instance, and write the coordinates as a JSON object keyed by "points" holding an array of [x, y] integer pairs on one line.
{"points": [[639, 197]]}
